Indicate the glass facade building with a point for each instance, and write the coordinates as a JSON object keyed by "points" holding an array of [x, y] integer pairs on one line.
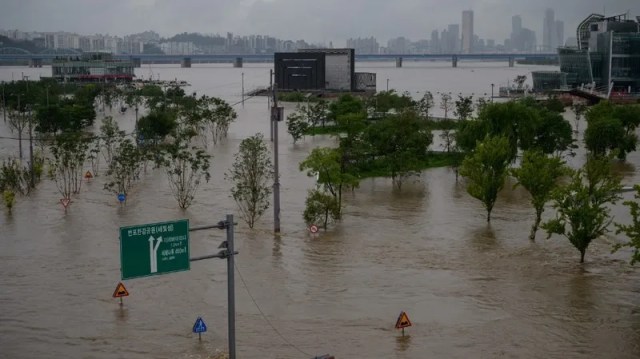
{"points": [[607, 56], [92, 67], [548, 80], [621, 65]]}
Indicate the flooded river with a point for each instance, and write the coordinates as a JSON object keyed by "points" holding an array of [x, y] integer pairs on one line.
{"points": [[471, 290]]}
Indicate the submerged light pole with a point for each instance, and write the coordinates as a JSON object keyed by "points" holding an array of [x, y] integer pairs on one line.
{"points": [[276, 116]]}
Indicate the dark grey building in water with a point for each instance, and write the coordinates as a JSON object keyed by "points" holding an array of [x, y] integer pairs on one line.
{"points": [[299, 70], [320, 70]]}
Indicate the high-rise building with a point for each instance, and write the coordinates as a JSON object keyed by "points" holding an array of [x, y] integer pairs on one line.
{"points": [[516, 24], [398, 45], [522, 39], [467, 31], [453, 41], [559, 33], [516, 29], [444, 44], [549, 35], [435, 42], [364, 46]]}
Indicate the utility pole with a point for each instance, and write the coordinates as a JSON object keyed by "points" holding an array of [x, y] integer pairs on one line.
{"points": [[243, 89], [21, 128], [33, 176], [231, 299], [4, 104], [269, 103], [30, 119], [276, 116]]}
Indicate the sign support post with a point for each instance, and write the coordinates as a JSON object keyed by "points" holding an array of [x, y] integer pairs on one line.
{"points": [[227, 253], [170, 241], [231, 299]]}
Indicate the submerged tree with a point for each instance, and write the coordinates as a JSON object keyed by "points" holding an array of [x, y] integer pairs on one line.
{"points": [[539, 175], [445, 104], [13, 177], [632, 231], [327, 164], [320, 207], [425, 104], [612, 128], [486, 170], [69, 151], [124, 168], [464, 107], [401, 143], [218, 115], [250, 174], [110, 138], [296, 126], [582, 206], [18, 122], [185, 166], [579, 109]]}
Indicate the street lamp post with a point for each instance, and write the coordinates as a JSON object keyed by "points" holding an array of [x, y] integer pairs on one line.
{"points": [[492, 92], [4, 105], [387, 85]]}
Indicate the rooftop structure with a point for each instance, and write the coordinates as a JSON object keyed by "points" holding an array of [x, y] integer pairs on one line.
{"points": [[607, 58], [92, 67]]}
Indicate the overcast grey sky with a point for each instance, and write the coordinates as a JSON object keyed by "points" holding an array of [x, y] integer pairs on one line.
{"points": [[312, 20]]}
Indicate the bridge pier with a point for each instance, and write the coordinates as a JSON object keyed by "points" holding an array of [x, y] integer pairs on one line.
{"points": [[454, 61], [511, 61], [136, 61], [238, 62], [186, 62], [35, 62], [398, 61]]}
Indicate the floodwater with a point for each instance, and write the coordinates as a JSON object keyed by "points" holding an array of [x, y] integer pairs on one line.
{"points": [[471, 290]]}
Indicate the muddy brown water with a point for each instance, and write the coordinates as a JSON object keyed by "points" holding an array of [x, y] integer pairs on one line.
{"points": [[471, 290]]}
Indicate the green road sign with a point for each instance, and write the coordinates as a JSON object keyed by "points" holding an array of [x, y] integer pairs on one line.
{"points": [[152, 249]]}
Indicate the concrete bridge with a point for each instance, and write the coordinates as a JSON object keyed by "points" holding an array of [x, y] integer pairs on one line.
{"points": [[13, 54]]}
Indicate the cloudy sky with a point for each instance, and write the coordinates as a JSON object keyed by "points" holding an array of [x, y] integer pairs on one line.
{"points": [[312, 20]]}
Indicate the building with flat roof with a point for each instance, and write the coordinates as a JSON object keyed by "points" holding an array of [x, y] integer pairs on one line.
{"points": [[299, 71], [467, 31], [92, 67], [320, 70]]}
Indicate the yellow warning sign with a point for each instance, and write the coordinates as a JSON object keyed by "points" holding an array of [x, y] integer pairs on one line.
{"points": [[403, 321], [120, 291], [88, 175]]}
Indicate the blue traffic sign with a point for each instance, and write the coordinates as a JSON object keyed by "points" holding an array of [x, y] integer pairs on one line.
{"points": [[122, 197], [199, 326]]}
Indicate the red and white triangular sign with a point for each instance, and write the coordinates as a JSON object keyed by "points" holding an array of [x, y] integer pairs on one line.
{"points": [[65, 202]]}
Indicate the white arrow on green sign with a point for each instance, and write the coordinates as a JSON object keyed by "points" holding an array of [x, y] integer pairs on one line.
{"points": [[153, 249]]}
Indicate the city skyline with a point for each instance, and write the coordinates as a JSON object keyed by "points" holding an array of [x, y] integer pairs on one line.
{"points": [[331, 21]]}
